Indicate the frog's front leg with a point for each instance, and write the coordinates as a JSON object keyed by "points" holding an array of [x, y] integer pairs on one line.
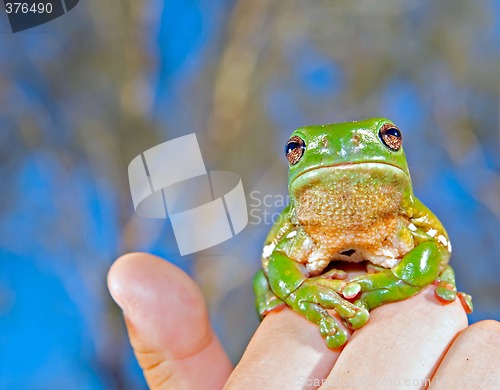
{"points": [[417, 269], [312, 296], [265, 300]]}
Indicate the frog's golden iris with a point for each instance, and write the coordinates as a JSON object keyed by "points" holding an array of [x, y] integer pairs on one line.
{"points": [[294, 149], [391, 136]]}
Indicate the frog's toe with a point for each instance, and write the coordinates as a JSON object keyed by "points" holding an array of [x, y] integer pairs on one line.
{"points": [[336, 285], [351, 290], [466, 301], [334, 336], [445, 291], [272, 304], [328, 326], [360, 318], [445, 294], [337, 340], [334, 274]]}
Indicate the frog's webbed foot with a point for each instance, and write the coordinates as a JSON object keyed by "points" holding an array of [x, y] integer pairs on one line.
{"points": [[417, 269], [316, 295], [266, 301], [354, 315], [312, 297], [324, 293], [378, 288], [334, 335], [446, 290]]}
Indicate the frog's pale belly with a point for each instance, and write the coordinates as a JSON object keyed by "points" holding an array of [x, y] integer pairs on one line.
{"points": [[383, 243], [353, 217]]}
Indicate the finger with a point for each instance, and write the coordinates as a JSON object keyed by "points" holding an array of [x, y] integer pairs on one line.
{"points": [[401, 345], [168, 324], [472, 361], [286, 352]]}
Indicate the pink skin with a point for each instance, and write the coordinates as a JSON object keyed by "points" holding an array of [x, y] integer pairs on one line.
{"points": [[417, 338], [170, 348]]}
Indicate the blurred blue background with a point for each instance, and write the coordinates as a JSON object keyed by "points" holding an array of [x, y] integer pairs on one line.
{"points": [[83, 95]]}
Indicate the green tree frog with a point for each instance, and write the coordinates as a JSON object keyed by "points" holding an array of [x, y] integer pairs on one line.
{"points": [[351, 200]]}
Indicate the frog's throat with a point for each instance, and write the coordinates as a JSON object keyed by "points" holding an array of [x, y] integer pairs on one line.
{"points": [[360, 201], [362, 164]]}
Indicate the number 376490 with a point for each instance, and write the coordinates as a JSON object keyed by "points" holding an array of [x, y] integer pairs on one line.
{"points": [[25, 8]]}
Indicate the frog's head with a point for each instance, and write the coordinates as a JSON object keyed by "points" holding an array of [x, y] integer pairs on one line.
{"points": [[335, 166]]}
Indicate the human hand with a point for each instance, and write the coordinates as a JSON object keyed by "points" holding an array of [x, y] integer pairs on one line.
{"points": [[405, 344]]}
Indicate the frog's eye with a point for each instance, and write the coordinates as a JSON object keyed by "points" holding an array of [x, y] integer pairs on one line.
{"points": [[391, 136], [294, 149]]}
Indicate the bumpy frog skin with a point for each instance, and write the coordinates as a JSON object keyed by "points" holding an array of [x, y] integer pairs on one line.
{"points": [[351, 199]]}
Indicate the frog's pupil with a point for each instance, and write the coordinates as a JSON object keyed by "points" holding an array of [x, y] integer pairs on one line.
{"points": [[291, 146], [394, 132]]}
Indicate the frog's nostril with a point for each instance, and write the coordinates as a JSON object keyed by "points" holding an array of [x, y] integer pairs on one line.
{"points": [[325, 142], [356, 139]]}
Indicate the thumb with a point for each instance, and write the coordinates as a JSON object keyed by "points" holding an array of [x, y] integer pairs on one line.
{"points": [[168, 324]]}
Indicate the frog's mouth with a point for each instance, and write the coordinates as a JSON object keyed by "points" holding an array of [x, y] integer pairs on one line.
{"points": [[375, 170]]}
